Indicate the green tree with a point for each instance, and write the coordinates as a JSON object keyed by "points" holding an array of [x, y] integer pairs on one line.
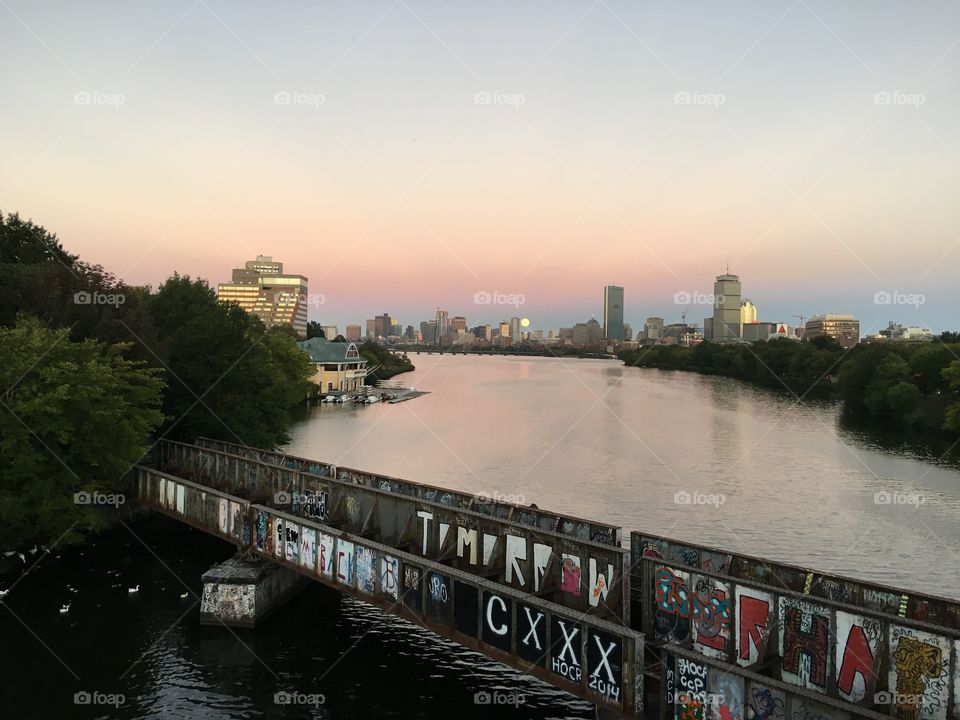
{"points": [[75, 416], [951, 374], [890, 392], [314, 330], [228, 376]]}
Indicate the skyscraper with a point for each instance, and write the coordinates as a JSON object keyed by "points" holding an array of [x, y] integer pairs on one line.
{"points": [[443, 324], [613, 312], [515, 329], [261, 288], [726, 308]]}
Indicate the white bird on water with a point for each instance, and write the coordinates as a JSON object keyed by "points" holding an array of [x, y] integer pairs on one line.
{"points": [[65, 609], [133, 590], [3, 593], [182, 597]]}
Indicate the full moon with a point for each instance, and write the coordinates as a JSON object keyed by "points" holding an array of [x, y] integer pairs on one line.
{"points": [[525, 322]]}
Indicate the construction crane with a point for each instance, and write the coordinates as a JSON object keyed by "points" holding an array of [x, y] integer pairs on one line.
{"points": [[800, 329]]}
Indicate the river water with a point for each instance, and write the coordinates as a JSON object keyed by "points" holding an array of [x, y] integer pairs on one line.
{"points": [[697, 458]]}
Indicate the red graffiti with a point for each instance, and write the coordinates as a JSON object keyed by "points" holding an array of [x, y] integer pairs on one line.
{"points": [[812, 643], [754, 614], [857, 658]]}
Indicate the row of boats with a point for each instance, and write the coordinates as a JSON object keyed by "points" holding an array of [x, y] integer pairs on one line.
{"points": [[366, 399]]}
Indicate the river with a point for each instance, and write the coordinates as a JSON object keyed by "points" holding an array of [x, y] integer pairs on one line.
{"points": [[762, 474]]}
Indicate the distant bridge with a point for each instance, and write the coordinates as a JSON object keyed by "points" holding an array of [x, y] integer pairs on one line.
{"points": [[716, 636]]}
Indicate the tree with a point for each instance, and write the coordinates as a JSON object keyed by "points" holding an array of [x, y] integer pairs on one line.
{"points": [[75, 418], [951, 374], [890, 392], [314, 330], [228, 376]]}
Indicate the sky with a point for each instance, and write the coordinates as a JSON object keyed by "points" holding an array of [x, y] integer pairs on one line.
{"points": [[405, 155]]}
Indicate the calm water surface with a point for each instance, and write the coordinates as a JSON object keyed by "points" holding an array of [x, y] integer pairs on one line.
{"points": [[580, 436]]}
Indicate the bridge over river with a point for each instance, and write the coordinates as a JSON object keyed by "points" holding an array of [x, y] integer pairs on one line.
{"points": [[664, 628]]}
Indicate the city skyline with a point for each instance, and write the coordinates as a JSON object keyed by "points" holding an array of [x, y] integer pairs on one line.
{"points": [[696, 156]]}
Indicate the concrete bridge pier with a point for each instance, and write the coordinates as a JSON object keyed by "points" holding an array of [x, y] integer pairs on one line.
{"points": [[241, 592]]}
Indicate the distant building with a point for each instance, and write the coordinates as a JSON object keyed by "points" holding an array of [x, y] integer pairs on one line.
{"points": [[504, 329], [443, 325], [588, 333], [895, 331], [262, 289], [613, 312], [748, 314], [458, 325], [627, 332], [653, 328], [515, 328], [382, 325], [726, 308], [371, 329], [353, 332], [845, 329], [410, 333], [428, 331], [337, 365], [329, 331]]}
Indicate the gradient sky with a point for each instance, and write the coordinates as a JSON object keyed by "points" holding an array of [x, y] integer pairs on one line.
{"points": [[399, 193]]}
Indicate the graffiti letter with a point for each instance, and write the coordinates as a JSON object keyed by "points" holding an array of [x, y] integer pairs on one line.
{"points": [[533, 627], [427, 517], [502, 629], [754, 613], [812, 644], [857, 658], [467, 538]]}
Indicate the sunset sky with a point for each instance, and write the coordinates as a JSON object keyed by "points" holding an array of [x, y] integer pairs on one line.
{"points": [[814, 146]]}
